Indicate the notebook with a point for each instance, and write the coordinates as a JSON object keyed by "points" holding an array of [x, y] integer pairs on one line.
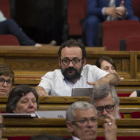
{"points": [[51, 114], [81, 91]]}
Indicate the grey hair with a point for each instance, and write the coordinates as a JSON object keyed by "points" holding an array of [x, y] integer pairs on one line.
{"points": [[102, 91], [77, 106]]}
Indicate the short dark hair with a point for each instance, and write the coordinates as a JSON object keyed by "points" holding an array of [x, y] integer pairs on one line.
{"points": [[7, 71], [106, 58], [72, 43], [16, 94]]}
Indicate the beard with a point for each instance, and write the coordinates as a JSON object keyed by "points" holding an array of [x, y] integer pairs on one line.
{"points": [[71, 73]]}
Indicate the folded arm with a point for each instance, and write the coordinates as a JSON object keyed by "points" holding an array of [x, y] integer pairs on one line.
{"points": [[112, 79]]}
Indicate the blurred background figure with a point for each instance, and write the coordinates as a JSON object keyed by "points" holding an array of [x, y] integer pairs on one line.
{"points": [[9, 26], [135, 93], [22, 99], [6, 79], [102, 10]]}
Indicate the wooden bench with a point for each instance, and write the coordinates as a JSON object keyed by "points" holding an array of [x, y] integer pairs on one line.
{"points": [[35, 62], [35, 126], [31, 63]]}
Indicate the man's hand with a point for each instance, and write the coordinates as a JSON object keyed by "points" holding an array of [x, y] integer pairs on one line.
{"points": [[110, 128], [111, 11], [112, 79], [120, 11], [41, 91]]}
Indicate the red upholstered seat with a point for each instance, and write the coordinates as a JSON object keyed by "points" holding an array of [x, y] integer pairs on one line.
{"points": [[76, 11], [9, 40], [114, 31], [135, 114], [136, 7], [123, 94], [132, 43]]}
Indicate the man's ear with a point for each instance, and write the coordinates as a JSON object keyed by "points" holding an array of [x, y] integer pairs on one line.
{"points": [[84, 62], [69, 126]]}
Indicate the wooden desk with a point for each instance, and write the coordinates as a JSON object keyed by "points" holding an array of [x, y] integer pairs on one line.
{"points": [[35, 126], [126, 86]]}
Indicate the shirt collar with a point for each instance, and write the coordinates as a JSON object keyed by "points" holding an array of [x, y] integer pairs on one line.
{"points": [[75, 138]]}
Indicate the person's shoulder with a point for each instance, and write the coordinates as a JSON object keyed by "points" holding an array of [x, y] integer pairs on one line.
{"points": [[138, 93], [55, 73], [89, 67]]}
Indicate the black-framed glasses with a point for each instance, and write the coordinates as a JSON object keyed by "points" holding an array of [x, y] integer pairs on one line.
{"points": [[108, 108], [2, 81], [86, 121], [74, 61], [2, 126]]}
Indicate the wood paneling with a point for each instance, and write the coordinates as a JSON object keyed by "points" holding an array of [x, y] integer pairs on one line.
{"points": [[32, 126]]}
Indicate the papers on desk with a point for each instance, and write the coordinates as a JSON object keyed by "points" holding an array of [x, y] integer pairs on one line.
{"points": [[51, 114]]}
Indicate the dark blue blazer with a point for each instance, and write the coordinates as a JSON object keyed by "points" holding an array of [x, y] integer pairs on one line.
{"points": [[94, 7]]}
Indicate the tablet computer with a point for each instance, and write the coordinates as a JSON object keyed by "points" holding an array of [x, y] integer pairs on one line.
{"points": [[18, 115], [51, 114], [81, 91]]}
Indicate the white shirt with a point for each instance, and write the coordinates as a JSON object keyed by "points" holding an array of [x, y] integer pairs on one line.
{"points": [[55, 84], [2, 17], [75, 138]]}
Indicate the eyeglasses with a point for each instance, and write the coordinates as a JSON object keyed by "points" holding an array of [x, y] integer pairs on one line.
{"points": [[108, 108], [67, 61], [2, 81], [85, 121], [2, 126]]}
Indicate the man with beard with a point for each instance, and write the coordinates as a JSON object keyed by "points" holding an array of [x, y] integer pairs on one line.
{"points": [[81, 121], [73, 72], [105, 100]]}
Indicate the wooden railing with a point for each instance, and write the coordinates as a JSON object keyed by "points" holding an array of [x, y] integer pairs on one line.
{"points": [[35, 126]]}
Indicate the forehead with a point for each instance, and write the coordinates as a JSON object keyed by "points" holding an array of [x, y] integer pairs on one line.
{"points": [[71, 52], [106, 63], [29, 95], [105, 101], [6, 77], [88, 113]]}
